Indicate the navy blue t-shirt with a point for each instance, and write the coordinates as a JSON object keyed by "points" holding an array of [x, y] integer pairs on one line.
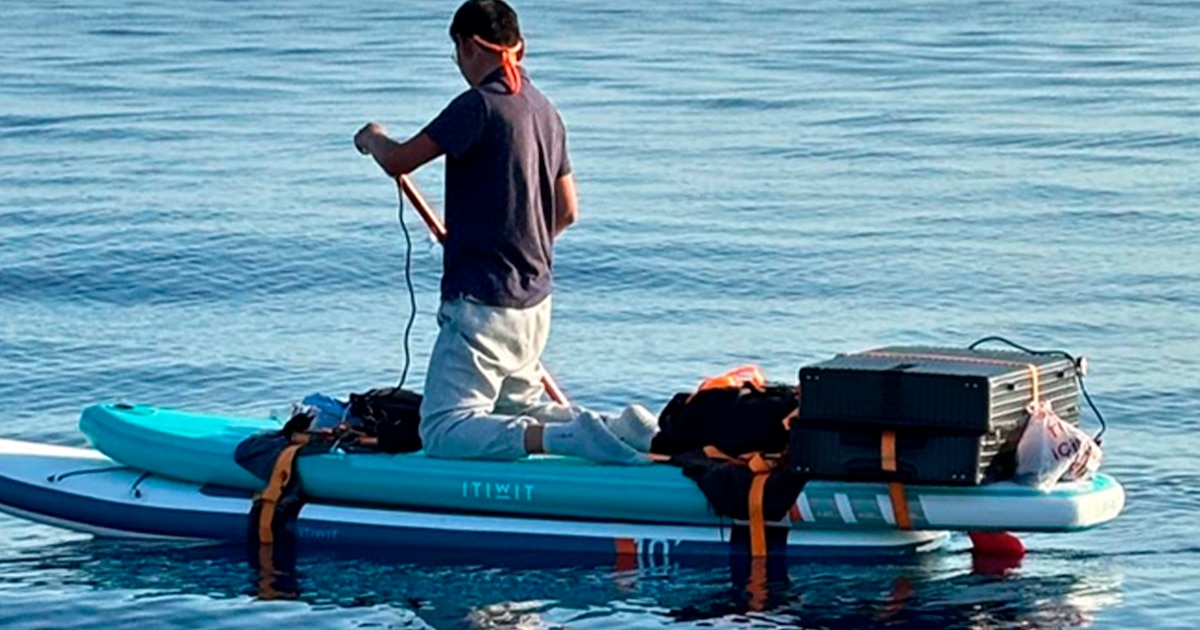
{"points": [[504, 153]]}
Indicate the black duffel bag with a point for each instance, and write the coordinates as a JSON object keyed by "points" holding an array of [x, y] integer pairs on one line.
{"points": [[736, 420], [391, 414]]}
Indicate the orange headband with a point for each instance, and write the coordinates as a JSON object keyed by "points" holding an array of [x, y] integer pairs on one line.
{"points": [[508, 59]]}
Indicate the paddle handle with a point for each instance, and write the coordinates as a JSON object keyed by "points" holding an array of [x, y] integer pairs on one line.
{"points": [[431, 219], [423, 208]]}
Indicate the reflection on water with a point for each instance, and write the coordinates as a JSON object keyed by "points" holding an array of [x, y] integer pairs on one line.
{"points": [[449, 590]]}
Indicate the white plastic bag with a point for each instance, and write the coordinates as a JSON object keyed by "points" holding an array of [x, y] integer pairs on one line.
{"points": [[1051, 450]]}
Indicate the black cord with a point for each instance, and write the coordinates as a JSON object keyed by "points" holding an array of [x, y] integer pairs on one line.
{"points": [[1060, 353], [412, 294]]}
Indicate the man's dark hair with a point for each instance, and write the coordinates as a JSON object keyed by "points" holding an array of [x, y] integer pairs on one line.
{"points": [[492, 20]]}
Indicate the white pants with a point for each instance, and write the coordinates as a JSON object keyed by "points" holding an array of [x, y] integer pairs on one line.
{"points": [[484, 382]]}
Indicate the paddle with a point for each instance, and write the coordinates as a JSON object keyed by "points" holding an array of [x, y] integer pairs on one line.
{"points": [[409, 189]]}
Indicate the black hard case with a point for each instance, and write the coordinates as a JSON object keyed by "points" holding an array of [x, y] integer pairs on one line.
{"points": [[957, 414]]}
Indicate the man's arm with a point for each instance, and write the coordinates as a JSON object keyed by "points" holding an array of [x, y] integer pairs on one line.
{"points": [[566, 204], [395, 158]]}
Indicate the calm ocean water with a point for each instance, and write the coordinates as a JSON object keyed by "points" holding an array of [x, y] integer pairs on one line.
{"points": [[183, 221]]}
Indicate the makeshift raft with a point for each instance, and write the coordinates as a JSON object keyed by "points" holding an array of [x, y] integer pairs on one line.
{"points": [[163, 473]]}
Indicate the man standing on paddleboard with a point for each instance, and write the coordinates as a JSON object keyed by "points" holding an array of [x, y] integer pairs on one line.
{"points": [[509, 192]]}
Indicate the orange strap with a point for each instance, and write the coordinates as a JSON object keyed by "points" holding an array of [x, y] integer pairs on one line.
{"points": [[887, 451], [758, 525], [887, 460], [1035, 379], [269, 497], [713, 452], [900, 505], [509, 57], [761, 467]]}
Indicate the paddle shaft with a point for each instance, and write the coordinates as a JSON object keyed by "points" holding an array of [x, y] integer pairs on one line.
{"points": [[409, 189]]}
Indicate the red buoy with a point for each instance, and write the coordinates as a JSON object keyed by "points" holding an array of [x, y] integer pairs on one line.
{"points": [[995, 553], [1001, 544]]}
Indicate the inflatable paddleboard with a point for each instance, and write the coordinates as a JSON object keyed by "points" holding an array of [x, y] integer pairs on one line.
{"points": [[82, 490], [198, 449]]}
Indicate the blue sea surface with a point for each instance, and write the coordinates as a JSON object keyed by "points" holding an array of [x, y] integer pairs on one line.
{"points": [[184, 222]]}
